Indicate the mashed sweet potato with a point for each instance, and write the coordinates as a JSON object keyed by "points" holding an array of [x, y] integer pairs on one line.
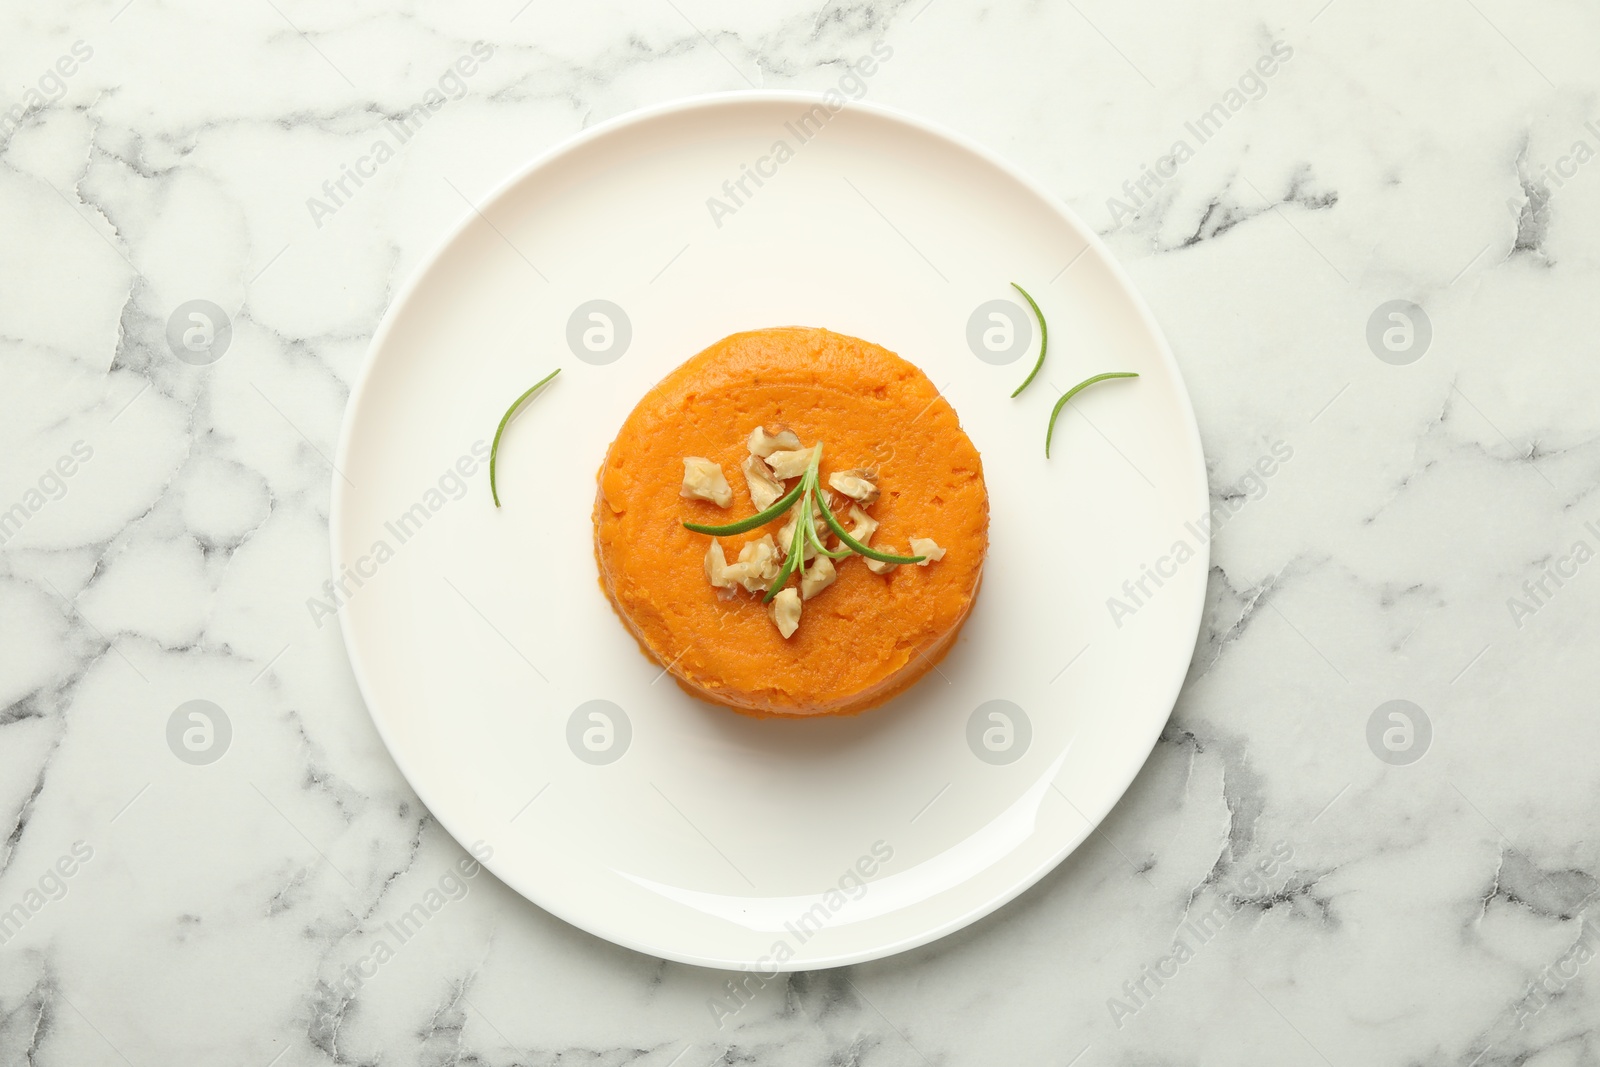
{"points": [[861, 640]]}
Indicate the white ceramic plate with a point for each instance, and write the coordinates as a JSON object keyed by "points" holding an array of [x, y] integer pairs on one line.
{"points": [[478, 635]]}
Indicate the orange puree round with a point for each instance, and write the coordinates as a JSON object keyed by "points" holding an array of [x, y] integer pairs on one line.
{"points": [[864, 638]]}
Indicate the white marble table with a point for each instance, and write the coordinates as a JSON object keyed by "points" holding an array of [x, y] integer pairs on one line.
{"points": [[1427, 540]]}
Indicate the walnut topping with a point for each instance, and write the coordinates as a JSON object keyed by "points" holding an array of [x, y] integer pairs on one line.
{"points": [[765, 553], [765, 489], [775, 457], [817, 577], [764, 444], [703, 480], [757, 566], [859, 484], [865, 525], [791, 463], [717, 566], [786, 612]]}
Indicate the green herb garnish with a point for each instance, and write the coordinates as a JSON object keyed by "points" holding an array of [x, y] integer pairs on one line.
{"points": [[805, 494], [494, 449], [1074, 391], [1044, 338], [759, 519]]}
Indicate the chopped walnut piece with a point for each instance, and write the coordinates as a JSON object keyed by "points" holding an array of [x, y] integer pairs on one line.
{"points": [[765, 489], [862, 530], [865, 525], [703, 480], [716, 565], [926, 546], [757, 566], [817, 577], [764, 444], [859, 484], [791, 463], [717, 571], [763, 551], [785, 611]]}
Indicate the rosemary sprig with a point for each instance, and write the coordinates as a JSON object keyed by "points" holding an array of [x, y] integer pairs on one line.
{"points": [[1044, 338], [760, 519], [805, 494], [1074, 391], [494, 449]]}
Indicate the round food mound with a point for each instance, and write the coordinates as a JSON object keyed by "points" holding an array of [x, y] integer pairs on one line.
{"points": [[867, 636]]}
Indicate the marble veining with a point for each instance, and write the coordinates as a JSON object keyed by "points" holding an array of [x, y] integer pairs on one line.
{"points": [[1432, 912]]}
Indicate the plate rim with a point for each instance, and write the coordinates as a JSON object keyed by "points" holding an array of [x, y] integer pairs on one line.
{"points": [[735, 98]]}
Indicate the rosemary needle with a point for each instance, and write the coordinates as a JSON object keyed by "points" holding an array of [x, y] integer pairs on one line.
{"points": [[1074, 391], [494, 449], [1044, 338]]}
